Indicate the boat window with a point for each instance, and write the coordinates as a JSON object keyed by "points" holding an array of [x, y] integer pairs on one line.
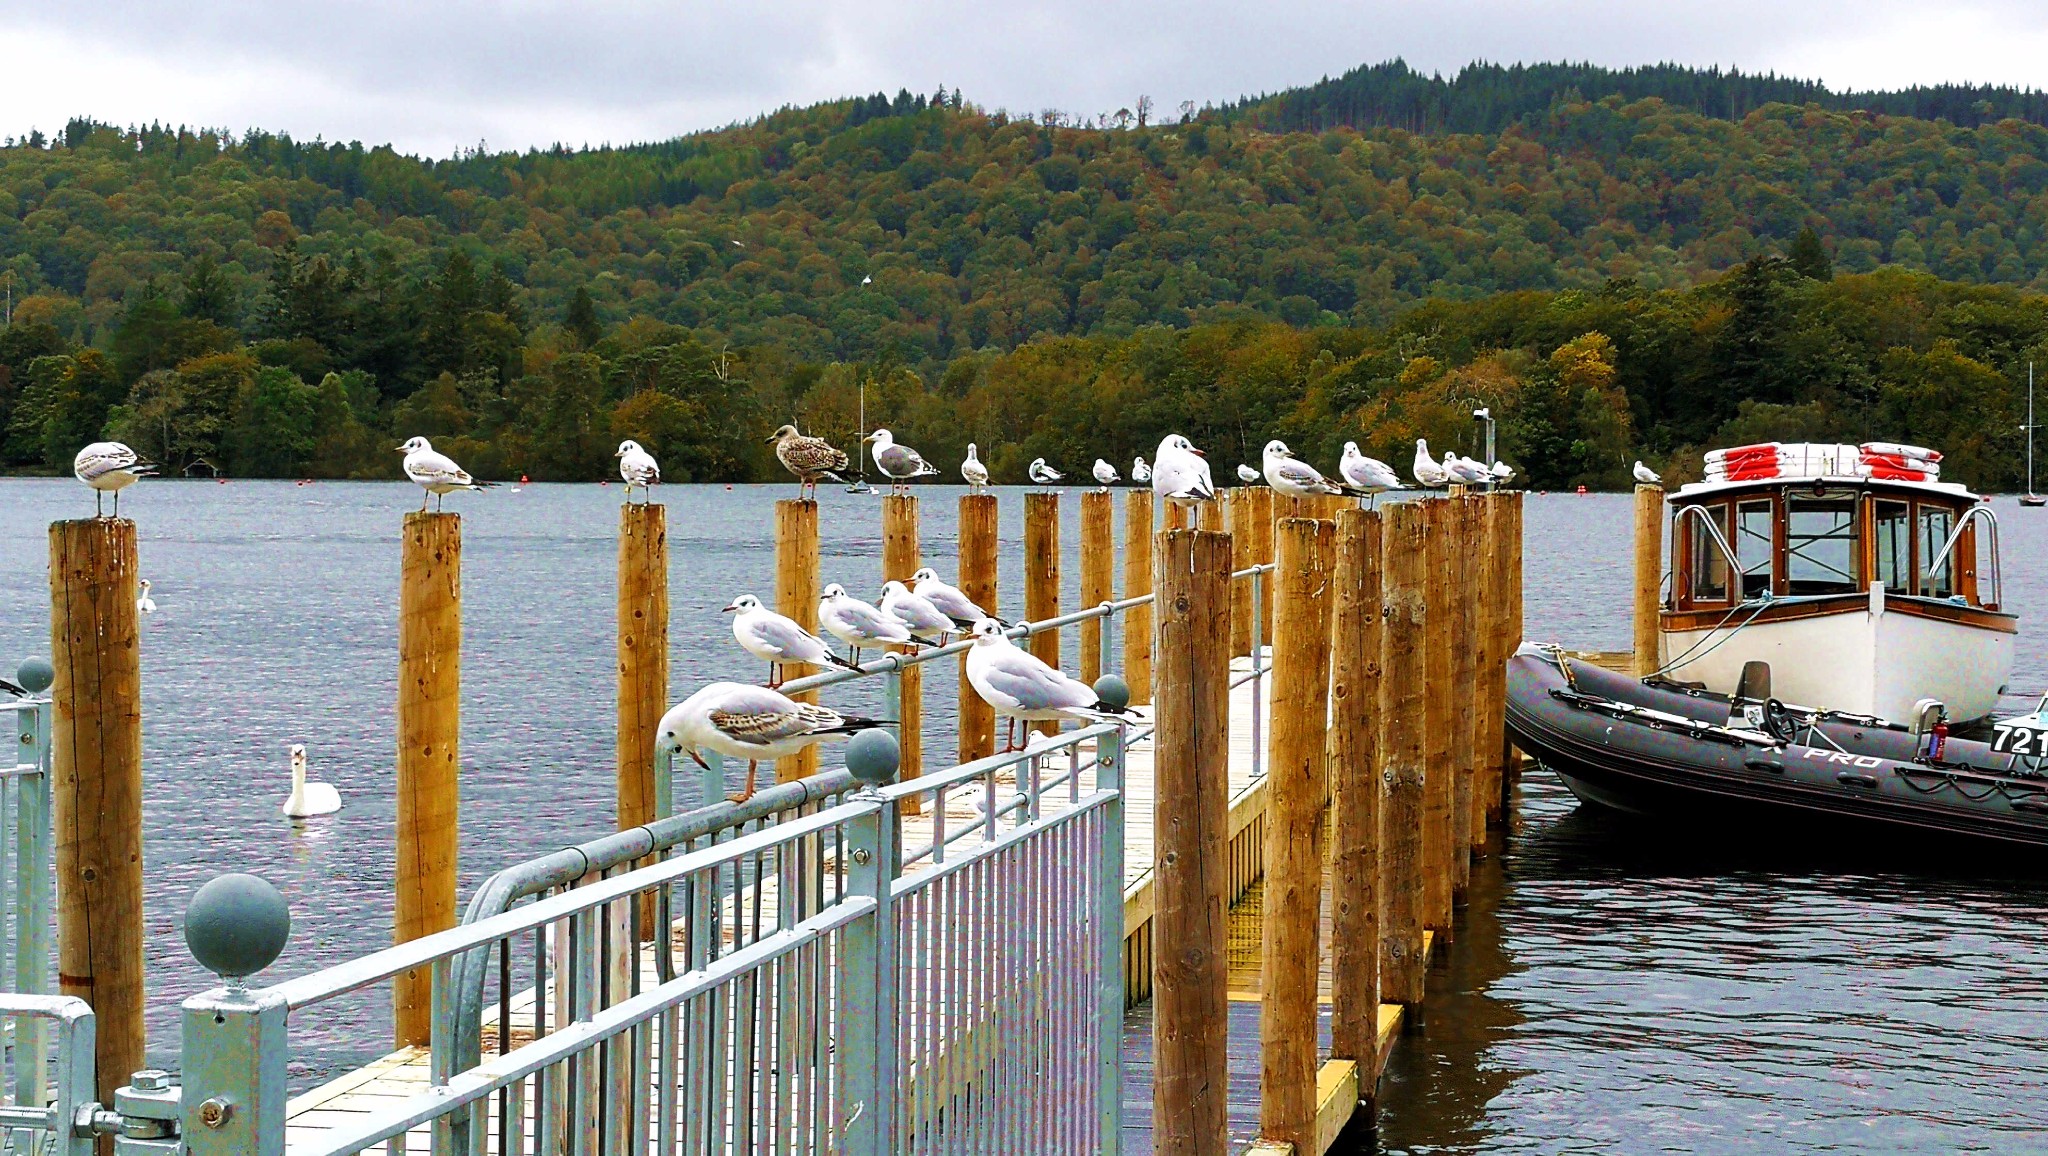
{"points": [[1709, 564], [1893, 526], [1820, 547], [1936, 524], [1756, 547]]}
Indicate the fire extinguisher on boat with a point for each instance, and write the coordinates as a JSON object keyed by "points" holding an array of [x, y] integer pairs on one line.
{"points": [[1938, 740]]}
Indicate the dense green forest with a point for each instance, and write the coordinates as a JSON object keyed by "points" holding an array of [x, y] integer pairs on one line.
{"points": [[1606, 272]]}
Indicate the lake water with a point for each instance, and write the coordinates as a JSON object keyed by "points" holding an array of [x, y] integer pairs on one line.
{"points": [[1608, 995]]}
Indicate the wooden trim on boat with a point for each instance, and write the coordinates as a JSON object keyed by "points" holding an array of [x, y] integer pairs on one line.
{"points": [[1680, 621]]}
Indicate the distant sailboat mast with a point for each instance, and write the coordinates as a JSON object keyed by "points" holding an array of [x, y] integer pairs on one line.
{"points": [[859, 485], [2030, 498]]}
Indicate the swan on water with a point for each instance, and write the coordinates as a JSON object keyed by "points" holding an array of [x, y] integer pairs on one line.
{"points": [[308, 799], [144, 604]]}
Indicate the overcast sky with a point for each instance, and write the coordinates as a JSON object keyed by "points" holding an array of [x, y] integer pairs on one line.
{"points": [[435, 75]]}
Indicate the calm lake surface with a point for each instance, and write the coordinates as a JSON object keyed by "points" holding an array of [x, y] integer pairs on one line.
{"points": [[1609, 993]]}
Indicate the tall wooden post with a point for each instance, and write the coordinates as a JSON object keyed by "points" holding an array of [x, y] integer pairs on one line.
{"points": [[429, 752], [1209, 515], [1098, 575], [1440, 778], [1467, 557], [1042, 578], [1488, 660], [796, 596], [1511, 631], [1243, 546], [96, 765], [643, 666], [1405, 622], [1649, 574], [1355, 792], [1262, 553], [1191, 864], [1292, 959], [978, 582], [900, 559], [1137, 583]]}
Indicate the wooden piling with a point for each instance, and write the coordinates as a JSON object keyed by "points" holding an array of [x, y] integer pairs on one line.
{"points": [[1466, 555], [1098, 575], [1042, 579], [1209, 515], [96, 780], [1487, 682], [1177, 517], [1439, 782], [1262, 553], [1291, 957], [796, 596], [901, 558], [1649, 572], [978, 582], [1190, 992], [1511, 629], [1404, 618], [643, 665], [1137, 583], [429, 751], [1355, 791]]}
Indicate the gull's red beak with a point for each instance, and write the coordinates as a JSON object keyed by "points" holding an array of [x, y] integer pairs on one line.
{"points": [[1198, 453]]}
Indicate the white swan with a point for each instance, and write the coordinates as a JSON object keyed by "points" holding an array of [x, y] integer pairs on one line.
{"points": [[144, 604], [308, 799]]}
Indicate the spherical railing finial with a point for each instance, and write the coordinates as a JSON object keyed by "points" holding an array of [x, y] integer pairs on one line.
{"points": [[236, 926], [873, 756], [1114, 692], [35, 675]]}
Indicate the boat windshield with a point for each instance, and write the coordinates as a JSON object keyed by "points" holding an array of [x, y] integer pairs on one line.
{"points": [[1892, 522], [1936, 524], [1820, 546]]}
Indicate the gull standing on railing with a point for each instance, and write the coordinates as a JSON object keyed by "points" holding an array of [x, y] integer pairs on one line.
{"points": [[973, 470], [109, 467], [857, 624], [898, 463], [811, 459], [777, 639], [1140, 472], [1180, 474], [916, 613], [950, 601], [1247, 475], [436, 472], [1105, 474], [1429, 474], [1646, 475], [1366, 475], [1024, 689], [637, 467], [1290, 475], [1043, 474], [751, 723]]}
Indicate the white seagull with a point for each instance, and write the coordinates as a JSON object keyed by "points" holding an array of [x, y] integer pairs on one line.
{"points": [[857, 624], [1366, 475], [1140, 472], [1180, 473], [1646, 475], [973, 470], [751, 723], [1023, 688], [1465, 470], [1248, 475], [1503, 472], [916, 613], [1290, 475], [777, 639], [436, 473], [1429, 474], [144, 604], [1105, 474], [898, 463], [109, 467], [950, 601], [637, 467], [1043, 474], [308, 799]]}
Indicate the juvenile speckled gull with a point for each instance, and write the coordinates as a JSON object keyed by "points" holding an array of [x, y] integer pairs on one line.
{"points": [[637, 468], [777, 639], [811, 459], [1290, 475], [916, 613], [436, 472], [857, 624], [950, 601], [1022, 688], [1180, 474], [108, 468], [751, 723]]}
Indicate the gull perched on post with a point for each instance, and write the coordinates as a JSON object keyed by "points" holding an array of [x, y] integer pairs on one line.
{"points": [[436, 472], [810, 459], [898, 463], [1503, 472], [1248, 475], [950, 601], [777, 639], [1043, 474], [916, 613], [1140, 472], [752, 723], [1180, 473], [1366, 475], [1466, 470], [857, 624], [1427, 472], [1024, 689], [1646, 475], [109, 467], [637, 468], [1105, 474], [1290, 475], [973, 470]]}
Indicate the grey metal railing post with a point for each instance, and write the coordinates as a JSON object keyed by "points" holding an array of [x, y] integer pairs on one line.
{"points": [[1108, 640], [33, 881], [867, 987], [1109, 942], [232, 1055]]}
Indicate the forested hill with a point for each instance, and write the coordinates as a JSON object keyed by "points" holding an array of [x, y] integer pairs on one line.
{"points": [[1487, 98]]}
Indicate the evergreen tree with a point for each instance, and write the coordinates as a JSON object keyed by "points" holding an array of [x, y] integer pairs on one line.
{"points": [[1809, 257], [582, 321]]}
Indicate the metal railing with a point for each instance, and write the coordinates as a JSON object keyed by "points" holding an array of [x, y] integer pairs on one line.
{"points": [[27, 915], [62, 1120]]}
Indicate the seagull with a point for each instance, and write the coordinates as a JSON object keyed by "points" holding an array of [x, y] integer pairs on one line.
{"points": [[1023, 688], [857, 624], [809, 458], [868, 280], [109, 467], [1248, 475], [145, 604], [972, 469], [436, 473], [308, 799], [740, 244], [1466, 470], [898, 463], [1646, 475], [777, 639], [1180, 474], [1503, 472], [637, 468], [1140, 472], [1043, 474], [916, 613], [1290, 475], [1105, 474], [950, 601], [1426, 471], [1366, 475], [751, 723]]}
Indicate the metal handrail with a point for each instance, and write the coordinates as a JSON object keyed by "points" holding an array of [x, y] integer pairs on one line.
{"points": [[1997, 563]]}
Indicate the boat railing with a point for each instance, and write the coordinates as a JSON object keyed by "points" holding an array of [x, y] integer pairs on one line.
{"points": [[1700, 514], [1980, 510]]}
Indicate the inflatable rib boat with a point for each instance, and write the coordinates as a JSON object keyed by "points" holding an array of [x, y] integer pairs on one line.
{"points": [[1659, 748]]}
